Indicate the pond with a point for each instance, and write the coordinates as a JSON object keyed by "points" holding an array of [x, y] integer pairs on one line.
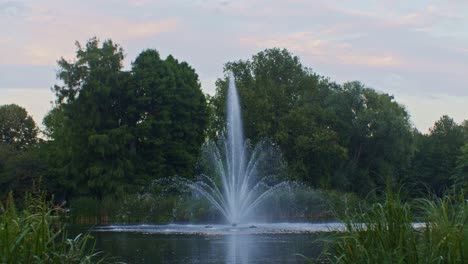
{"points": [[273, 243]]}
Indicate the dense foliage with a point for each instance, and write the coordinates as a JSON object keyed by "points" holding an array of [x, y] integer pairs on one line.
{"points": [[346, 136], [113, 131], [17, 128], [441, 158]]}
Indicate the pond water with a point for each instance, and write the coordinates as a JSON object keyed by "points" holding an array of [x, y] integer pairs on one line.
{"points": [[262, 243]]}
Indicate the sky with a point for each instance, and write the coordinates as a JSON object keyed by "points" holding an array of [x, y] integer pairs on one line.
{"points": [[415, 50]]}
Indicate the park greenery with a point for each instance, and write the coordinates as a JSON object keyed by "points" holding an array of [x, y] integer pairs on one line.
{"points": [[392, 230], [113, 131], [36, 234]]}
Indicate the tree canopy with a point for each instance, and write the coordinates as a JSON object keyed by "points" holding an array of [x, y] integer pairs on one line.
{"points": [[20, 160], [17, 128], [280, 99], [377, 133], [440, 155], [116, 130], [340, 136], [172, 115]]}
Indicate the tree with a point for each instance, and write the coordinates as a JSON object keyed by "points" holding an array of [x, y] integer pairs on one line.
{"points": [[88, 126], [464, 127], [117, 130], [172, 115], [56, 150], [6, 151], [377, 133], [460, 177], [20, 161], [17, 128], [20, 169], [437, 154], [282, 100], [346, 136]]}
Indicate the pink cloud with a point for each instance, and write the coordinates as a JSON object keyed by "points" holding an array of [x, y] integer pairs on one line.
{"points": [[47, 34], [375, 61], [323, 50]]}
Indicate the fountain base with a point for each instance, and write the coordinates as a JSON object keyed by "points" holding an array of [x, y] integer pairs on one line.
{"points": [[253, 228]]}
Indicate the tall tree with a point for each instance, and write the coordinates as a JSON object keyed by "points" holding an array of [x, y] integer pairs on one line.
{"points": [[342, 136], [282, 100], [95, 144], [460, 177], [437, 154], [20, 161], [116, 130], [172, 115], [377, 133], [17, 128]]}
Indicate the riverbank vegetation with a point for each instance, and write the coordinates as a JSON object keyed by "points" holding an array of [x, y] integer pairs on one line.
{"points": [[424, 230], [37, 234]]}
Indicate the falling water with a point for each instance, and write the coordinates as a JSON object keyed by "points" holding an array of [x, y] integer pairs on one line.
{"points": [[234, 185]]}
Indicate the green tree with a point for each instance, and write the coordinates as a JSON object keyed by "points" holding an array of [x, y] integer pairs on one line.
{"points": [[172, 115], [6, 152], [282, 100], [21, 163], [56, 150], [20, 169], [464, 126], [437, 154], [460, 177], [113, 131], [95, 135], [17, 128], [377, 133]]}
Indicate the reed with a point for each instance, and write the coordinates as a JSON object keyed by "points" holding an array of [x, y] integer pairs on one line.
{"points": [[387, 232], [36, 235]]}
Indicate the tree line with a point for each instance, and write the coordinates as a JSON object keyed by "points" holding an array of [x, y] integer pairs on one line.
{"points": [[113, 131]]}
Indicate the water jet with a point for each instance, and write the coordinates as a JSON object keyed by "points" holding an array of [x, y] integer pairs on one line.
{"points": [[235, 184]]}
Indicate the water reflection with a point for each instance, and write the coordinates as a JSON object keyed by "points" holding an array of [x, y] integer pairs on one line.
{"points": [[237, 253], [233, 248]]}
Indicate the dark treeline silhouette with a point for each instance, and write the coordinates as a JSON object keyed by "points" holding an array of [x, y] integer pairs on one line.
{"points": [[113, 131]]}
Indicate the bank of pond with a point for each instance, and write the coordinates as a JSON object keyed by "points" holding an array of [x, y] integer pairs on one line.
{"points": [[379, 232]]}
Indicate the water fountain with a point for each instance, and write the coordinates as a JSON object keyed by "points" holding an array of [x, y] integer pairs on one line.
{"points": [[236, 183], [237, 179]]}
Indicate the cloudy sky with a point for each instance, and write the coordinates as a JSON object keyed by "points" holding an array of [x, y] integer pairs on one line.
{"points": [[416, 50]]}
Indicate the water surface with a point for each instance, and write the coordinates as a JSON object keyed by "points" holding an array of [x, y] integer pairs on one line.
{"points": [[273, 243]]}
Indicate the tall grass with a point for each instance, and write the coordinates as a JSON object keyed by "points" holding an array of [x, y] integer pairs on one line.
{"points": [[36, 235], [387, 232]]}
